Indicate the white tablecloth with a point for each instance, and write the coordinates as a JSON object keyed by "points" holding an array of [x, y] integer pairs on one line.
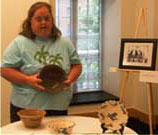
{"points": [[83, 125]]}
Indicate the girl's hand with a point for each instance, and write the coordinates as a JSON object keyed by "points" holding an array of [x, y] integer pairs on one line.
{"points": [[74, 73], [34, 82], [67, 84]]}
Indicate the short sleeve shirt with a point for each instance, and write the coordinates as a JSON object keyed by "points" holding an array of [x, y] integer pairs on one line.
{"points": [[29, 56]]}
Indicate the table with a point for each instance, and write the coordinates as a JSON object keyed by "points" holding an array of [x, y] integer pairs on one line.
{"points": [[83, 125]]}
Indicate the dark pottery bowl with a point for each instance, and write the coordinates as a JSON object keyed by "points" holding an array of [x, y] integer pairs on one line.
{"points": [[53, 78]]}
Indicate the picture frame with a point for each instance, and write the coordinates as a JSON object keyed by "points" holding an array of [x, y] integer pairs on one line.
{"points": [[138, 54]]}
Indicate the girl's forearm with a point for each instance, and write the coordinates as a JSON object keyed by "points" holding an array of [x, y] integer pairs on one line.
{"points": [[75, 72], [14, 76]]}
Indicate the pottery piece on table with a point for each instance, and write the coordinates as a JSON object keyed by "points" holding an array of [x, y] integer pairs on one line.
{"points": [[113, 117]]}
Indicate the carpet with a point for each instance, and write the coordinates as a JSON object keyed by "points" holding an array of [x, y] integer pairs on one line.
{"points": [[140, 127]]}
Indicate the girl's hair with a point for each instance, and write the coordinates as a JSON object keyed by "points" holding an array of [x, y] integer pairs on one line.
{"points": [[26, 26]]}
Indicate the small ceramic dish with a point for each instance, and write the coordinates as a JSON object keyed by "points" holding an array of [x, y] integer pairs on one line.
{"points": [[60, 126]]}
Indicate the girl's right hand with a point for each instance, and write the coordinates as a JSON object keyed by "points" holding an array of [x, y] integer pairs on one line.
{"points": [[34, 82]]}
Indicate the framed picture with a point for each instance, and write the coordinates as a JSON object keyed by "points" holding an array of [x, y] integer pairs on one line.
{"points": [[139, 54]]}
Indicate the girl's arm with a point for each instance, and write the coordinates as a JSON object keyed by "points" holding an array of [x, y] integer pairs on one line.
{"points": [[74, 73], [16, 77]]}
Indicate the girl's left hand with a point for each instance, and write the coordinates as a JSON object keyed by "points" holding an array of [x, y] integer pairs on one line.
{"points": [[67, 84]]}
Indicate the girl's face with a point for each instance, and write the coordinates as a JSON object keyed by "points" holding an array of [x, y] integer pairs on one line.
{"points": [[41, 23]]}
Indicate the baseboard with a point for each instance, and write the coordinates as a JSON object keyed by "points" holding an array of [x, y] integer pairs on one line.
{"points": [[142, 116]]}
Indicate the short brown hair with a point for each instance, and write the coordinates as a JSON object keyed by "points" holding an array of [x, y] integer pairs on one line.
{"points": [[26, 26]]}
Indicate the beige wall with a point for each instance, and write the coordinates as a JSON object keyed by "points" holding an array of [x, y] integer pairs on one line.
{"points": [[130, 15], [53, 7], [156, 19], [111, 29], [128, 18], [136, 92], [13, 14]]}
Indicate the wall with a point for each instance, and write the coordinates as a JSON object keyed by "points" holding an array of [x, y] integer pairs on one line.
{"points": [[156, 19], [136, 92], [0, 58], [111, 44], [13, 14]]}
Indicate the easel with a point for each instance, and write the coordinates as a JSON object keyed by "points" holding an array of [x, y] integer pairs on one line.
{"points": [[142, 15]]}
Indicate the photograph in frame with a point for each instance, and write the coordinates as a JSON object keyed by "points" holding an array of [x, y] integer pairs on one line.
{"points": [[139, 54]]}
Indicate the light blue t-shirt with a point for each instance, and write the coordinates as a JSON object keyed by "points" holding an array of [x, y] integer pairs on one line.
{"points": [[29, 56]]}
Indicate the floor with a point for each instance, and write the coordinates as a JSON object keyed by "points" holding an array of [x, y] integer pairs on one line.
{"points": [[140, 127]]}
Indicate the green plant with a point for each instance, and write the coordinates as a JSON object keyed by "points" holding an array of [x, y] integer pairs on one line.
{"points": [[56, 59], [42, 55]]}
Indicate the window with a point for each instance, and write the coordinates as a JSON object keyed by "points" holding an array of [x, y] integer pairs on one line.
{"points": [[80, 21]]}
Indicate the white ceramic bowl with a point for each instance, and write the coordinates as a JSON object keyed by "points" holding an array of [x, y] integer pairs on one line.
{"points": [[61, 126]]}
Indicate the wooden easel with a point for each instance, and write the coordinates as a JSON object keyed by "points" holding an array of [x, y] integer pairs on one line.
{"points": [[142, 16]]}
